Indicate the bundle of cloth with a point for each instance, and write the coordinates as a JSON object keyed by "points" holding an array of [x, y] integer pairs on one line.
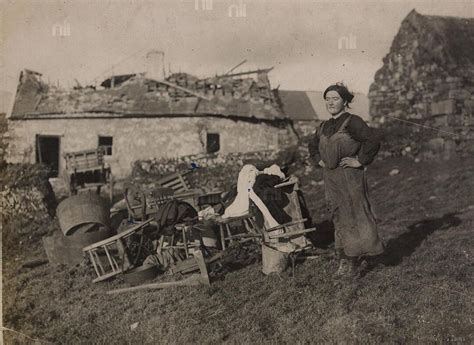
{"points": [[258, 187]]}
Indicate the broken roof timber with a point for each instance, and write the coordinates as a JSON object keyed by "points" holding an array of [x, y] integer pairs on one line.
{"points": [[235, 67], [265, 70], [138, 96], [191, 92]]}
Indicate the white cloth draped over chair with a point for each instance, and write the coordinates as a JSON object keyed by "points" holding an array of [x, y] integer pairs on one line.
{"points": [[245, 193]]}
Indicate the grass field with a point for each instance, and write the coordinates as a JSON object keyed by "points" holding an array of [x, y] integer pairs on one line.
{"points": [[421, 293]]}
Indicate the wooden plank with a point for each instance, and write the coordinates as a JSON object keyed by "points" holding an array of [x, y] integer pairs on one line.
{"points": [[293, 233], [202, 267], [171, 184], [105, 276], [233, 219], [118, 236], [193, 280], [287, 224], [189, 265], [266, 70], [284, 184]]}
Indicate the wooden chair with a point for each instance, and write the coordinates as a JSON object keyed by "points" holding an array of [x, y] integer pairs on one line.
{"points": [[86, 169], [180, 241], [182, 245], [289, 232], [246, 223], [109, 257], [292, 231], [176, 181]]}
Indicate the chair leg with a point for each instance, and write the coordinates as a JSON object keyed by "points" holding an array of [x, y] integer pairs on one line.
{"points": [[160, 244], [221, 229], [126, 260], [250, 226], [94, 263], [229, 234], [185, 242]]}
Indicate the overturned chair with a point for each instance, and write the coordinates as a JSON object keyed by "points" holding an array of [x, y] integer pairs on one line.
{"points": [[292, 231], [110, 257]]}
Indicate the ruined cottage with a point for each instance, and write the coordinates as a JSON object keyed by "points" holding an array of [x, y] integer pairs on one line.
{"points": [[428, 78], [142, 116]]}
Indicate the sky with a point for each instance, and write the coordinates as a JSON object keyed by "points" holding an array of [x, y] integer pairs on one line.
{"points": [[310, 44]]}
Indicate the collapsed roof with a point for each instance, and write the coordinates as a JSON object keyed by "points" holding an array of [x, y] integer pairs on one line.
{"points": [[245, 94]]}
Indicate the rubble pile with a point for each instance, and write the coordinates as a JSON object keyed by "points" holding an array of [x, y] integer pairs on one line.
{"points": [[427, 79], [26, 192]]}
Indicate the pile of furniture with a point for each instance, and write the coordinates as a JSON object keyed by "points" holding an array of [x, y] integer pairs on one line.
{"points": [[168, 230]]}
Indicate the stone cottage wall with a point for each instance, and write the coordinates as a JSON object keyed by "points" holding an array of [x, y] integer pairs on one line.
{"points": [[145, 138]]}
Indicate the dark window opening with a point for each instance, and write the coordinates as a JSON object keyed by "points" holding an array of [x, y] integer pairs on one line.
{"points": [[212, 142], [47, 152], [106, 143]]}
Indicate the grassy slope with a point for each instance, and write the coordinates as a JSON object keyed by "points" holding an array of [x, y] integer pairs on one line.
{"points": [[422, 293]]}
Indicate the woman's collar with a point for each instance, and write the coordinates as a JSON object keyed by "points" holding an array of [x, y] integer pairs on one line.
{"points": [[339, 115]]}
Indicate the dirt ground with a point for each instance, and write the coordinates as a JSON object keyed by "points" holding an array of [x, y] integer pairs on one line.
{"points": [[421, 293]]}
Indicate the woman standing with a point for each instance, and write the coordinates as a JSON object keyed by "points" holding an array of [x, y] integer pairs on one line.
{"points": [[344, 145]]}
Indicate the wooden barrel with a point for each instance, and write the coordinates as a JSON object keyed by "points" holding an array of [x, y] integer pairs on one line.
{"points": [[81, 211]]}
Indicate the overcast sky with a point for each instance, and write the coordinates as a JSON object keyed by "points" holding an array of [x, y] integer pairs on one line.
{"points": [[299, 38]]}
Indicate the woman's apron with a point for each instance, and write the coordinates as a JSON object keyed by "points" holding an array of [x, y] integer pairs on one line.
{"points": [[347, 194]]}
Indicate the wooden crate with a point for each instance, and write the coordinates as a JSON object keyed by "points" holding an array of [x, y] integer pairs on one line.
{"points": [[86, 160]]}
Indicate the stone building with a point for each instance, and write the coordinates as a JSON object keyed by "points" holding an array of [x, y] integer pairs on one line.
{"points": [[307, 108], [428, 78], [136, 117]]}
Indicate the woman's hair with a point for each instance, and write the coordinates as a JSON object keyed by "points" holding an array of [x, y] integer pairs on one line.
{"points": [[342, 90]]}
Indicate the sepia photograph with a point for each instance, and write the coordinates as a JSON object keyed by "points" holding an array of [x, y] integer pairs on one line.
{"points": [[237, 172]]}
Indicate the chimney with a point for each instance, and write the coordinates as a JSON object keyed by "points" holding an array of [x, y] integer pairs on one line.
{"points": [[155, 67]]}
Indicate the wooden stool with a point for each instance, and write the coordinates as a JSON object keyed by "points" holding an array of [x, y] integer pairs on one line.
{"points": [[181, 240], [104, 246], [252, 230]]}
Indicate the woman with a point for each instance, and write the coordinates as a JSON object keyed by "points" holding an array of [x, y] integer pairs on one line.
{"points": [[344, 145]]}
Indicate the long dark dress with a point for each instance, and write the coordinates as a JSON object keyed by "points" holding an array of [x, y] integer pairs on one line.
{"points": [[346, 190]]}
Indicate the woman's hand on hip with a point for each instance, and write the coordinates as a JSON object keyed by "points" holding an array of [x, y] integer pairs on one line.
{"points": [[321, 164], [350, 162]]}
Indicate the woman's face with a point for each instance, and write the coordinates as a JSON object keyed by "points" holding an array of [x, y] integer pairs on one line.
{"points": [[334, 102]]}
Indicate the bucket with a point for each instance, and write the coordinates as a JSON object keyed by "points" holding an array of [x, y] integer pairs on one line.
{"points": [[81, 211], [275, 259]]}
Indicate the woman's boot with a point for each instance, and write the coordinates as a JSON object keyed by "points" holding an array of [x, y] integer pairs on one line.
{"points": [[347, 266]]}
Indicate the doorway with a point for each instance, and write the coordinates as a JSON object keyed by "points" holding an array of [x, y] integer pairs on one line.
{"points": [[47, 152]]}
